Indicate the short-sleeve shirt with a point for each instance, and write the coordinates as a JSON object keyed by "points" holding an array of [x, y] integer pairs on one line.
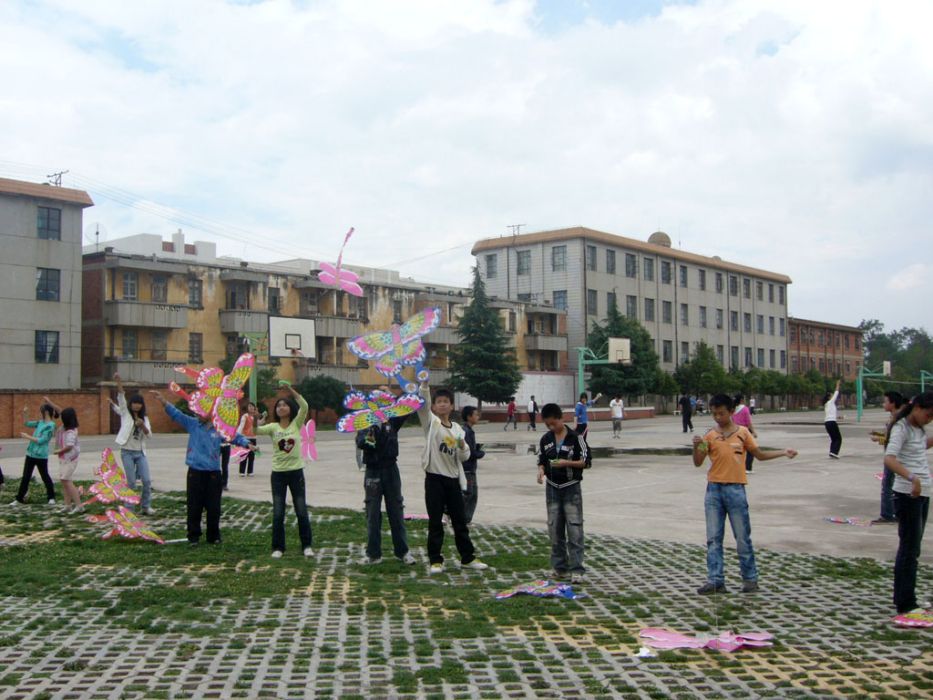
{"points": [[727, 454], [44, 431], [908, 444]]}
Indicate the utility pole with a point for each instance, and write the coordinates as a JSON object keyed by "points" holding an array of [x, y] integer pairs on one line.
{"points": [[516, 228], [56, 178]]}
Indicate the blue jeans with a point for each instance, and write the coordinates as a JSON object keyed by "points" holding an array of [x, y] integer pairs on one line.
{"points": [[887, 495], [384, 484], [722, 500], [565, 527], [136, 467], [293, 481]]}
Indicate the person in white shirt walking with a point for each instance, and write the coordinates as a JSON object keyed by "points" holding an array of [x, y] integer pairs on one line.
{"points": [[532, 414], [617, 411]]}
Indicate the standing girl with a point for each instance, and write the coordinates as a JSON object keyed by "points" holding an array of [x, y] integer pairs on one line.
{"points": [[743, 416], [905, 455], [249, 421], [829, 420], [68, 450], [288, 469], [135, 430], [37, 452]]}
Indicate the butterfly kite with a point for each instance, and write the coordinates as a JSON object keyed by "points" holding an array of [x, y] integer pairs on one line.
{"points": [[126, 524], [335, 276], [398, 347], [375, 409], [218, 395], [308, 446], [724, 641], [541, 589], [111, 485]]}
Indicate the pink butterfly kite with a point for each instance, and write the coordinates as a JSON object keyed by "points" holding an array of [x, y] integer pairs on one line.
{"points": [[335, 276], [308, 446]]}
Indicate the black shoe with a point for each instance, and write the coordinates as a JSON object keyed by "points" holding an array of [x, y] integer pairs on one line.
{"points": [[711, 588], [878, 521], [750, 586]]}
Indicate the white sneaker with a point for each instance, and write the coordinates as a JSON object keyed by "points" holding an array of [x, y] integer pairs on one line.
{"points": [[76, 510], [51, 501], [409, 559], [149, 511], [14, 502], [369, 561], [308, 552], [477, 565], [276, 554], [436, 569]]}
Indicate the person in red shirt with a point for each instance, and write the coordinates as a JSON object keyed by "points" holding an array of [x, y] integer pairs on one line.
{"points": [[510, 415]]}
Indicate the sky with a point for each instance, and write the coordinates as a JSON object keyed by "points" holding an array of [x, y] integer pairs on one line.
{"points": [[790, 135]]}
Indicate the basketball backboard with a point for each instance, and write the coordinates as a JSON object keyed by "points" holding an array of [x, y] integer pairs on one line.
{"points": [[620, 350], [291, 337]]}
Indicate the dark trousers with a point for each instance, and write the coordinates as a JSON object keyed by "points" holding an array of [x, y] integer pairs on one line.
{"points": [[749, 461], [835, 437], [43, 466], [293, 481], [582, 429], [911, 521], [204, 489], [887, 495], [224, 465], [531, 422], [246, 465], [687, 419], [384, 484], [442, 492], [470, 496]]}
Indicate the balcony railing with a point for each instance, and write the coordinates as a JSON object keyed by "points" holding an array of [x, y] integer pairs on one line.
{"points": [[241, 321], [145, 314]]}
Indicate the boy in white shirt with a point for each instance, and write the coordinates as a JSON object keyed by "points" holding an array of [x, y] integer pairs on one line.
{"points": [[617, 410]]}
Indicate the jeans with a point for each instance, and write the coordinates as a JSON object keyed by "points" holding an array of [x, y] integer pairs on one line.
{"points": [[246, 465], [204, 489], [470, 496], [136, 467], [440, 493], [293, 481], [384, 484], [565, 527], [687, 419], [722, 500], [887, 495], [224, 465], [835, 437], [43, 466], [911, 521]]}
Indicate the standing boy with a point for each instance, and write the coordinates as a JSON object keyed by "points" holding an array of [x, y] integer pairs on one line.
{"points": [[470, 417], [617, 409], [204, 482], [532, 414], [686, 412], [581, 414], [726, 445], [445, 449], [562, 457]]}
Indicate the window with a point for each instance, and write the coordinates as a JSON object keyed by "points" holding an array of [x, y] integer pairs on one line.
{"points": [[512, 320], [631, 265], [847, 342], [611, 262], [130, 286], [492, 266], [721, 353], [684, 315], [702, 282], [719, 319], [761, 324], [49, 225], [822, 365], [734, 356], [771, 356], [761, 358], [524, 262], [770, 325], [48, 284], [196, 346], [47, 347], [666, 312], [592, 308], [702, 317], [397, 311], [591, 257], [559, 299], [748, 357], [665, 272], [684, 352], [194, 293], [683, 275], [130, 344], [159, 291], [747, 322], [667, 351], [747, 288], [631, 306], [559, 258], [611, 301], [719, 283], [159, 345], [649, 310], [793, 332], [784, 359], [771, 293], [648, 271], [275, 302], [733, 286], [858, 341], [793, 362], [759, 291], [781, 295], [524, 296], [734, 320]]}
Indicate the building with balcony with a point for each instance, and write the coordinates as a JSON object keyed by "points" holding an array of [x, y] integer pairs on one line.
{"points": [[831, 349], [41, 227]]}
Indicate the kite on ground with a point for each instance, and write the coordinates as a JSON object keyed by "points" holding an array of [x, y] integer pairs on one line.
{"points": [[111, 485], [125, 524], [541, 589], [725, 641]]}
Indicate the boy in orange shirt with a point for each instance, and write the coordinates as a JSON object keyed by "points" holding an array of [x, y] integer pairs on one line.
{"points": [[726, 445]]}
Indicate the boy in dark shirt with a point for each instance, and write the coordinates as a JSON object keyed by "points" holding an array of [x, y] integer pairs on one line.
{"points": [[470, 417], [562, 457]]}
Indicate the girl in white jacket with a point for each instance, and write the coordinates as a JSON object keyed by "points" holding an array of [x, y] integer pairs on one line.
{"points": [[134, 432]]}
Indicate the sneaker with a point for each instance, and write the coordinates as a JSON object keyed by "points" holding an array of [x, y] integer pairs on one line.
{"points": [[559, 575], [834, 456], [149, 511], [248, 475], [576, 577], [711, 588], [276, 554], [51, 501], [476, 565], [242, 475], [14, 502], [370, 561], [879, 521], [750, 586], [308, 552], [409, 559], [77, 510], [437, 568]]}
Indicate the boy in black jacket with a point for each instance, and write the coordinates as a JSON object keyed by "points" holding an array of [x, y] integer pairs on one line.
{"points": [[470, 417], [562, 457]]}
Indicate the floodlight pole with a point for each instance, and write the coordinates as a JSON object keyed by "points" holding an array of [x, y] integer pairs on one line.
{"points": [[859, 388]]}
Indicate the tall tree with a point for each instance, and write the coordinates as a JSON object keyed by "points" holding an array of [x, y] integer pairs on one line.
{"points": [[702, 373], [483, 364], [636, 379]]}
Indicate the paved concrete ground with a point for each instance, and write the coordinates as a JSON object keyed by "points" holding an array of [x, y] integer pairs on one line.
{"points": [[631, 495]]}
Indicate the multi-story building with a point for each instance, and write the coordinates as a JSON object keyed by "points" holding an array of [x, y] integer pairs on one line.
{"points": [[831, 349], [150, 305], [680, 297], [41, 227]]}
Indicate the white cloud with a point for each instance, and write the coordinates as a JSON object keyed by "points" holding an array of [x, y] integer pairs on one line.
{"points": [[789, 135], [912, 278]]}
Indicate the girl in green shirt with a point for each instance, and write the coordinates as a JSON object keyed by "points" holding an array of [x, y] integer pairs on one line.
{"points": [[37, 452]]}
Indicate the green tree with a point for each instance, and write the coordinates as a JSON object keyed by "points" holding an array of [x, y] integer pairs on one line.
{"points": [[664, 387], [635, 379], [483, 364], [702, 373], [322, 391]]}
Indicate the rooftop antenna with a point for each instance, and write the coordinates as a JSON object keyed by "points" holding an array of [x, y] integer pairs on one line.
{"points": [[55, 179], [516, 228]]}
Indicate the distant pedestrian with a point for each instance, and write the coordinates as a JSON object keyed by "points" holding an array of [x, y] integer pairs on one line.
{"points": [[751, 405], [249, 421], [532, 414], [893, 401], [742, 415], [581, 414], [510, 415], [37, 452], [686, 413], [617, 411], [830, 416]]}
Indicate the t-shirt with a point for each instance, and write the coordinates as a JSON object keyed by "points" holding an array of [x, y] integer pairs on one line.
{"points": [[579, 413], [908, 444], [511, 408], [829, 409], [573, 447], [43, 433], [286, 442], [686, 405], [727, 454], [617, 407], [68, 439], [445, 448], [532, 407], [247, 426], [742, 416]]}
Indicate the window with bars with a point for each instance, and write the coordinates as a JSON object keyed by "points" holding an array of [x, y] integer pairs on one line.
{"points": [[195, 289], [665, 272], [648, 269], [559, 258], [159, 289], [649, 310], [49, 223], [683, 275], [130, 286], [611, 262], [195, 347], [702, 279], [667, 312], [702, 317], [631, 266], [524, 262], [591, 257], [592, 306], [631, 306]]}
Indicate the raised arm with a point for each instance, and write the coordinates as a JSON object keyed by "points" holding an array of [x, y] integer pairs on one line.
{"points": [[186, 422], [424, 413], [46, 399]]}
